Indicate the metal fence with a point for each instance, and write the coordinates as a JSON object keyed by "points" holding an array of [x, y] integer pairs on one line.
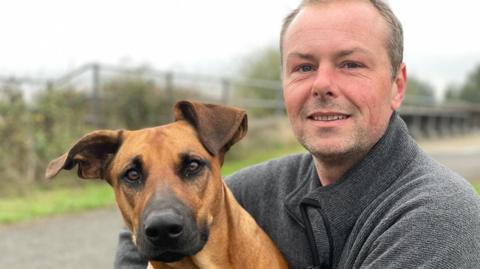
{"points": [[248, 94]]}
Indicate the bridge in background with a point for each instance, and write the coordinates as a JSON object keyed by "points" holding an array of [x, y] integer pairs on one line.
{"points": [[429, 120]]}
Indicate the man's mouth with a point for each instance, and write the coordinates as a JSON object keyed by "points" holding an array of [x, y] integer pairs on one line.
{"points": [[327, 117]]}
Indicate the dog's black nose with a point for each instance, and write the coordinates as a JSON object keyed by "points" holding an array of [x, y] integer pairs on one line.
{"points": [[165, 226]]}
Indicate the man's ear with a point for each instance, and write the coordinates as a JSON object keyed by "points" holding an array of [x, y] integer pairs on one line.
{"points": [[399, 87], [218, 127], [92, 153]]}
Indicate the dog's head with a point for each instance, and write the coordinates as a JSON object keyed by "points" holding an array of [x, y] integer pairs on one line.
{"points": [[166, 179]]}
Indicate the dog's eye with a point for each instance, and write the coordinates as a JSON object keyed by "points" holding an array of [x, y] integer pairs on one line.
{"points": [[133, 175], [193, 167]]}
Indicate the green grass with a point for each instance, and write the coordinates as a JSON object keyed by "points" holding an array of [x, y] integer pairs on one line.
{"points": [[53, 202], [41, 203], [231, 166], [476, 185]]}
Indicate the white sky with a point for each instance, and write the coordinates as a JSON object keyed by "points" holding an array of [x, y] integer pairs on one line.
{"points": [[49, 37]]}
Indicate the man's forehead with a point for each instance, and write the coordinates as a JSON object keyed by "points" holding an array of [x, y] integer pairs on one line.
{"points": [[349, 16], [339, 25]]}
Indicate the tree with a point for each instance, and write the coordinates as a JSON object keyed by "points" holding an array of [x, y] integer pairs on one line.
{"points": [[133, 102], [419, 91], [470, 91], [15, 140], [452, 93], [263, 64], [261, 69]]}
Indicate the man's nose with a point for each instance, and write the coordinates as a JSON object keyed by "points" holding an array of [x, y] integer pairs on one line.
{"points": [[324, 84]]}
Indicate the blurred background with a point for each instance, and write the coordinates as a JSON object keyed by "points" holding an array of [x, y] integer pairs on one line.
{"points": [[70, 67]]}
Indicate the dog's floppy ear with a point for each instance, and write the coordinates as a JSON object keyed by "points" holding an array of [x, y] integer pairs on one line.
{"points": [[92, 153], [218, 127]]}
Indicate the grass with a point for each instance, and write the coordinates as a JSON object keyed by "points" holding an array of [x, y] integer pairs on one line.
{"points": [[231, 166], [476, 185], [42, 203]]}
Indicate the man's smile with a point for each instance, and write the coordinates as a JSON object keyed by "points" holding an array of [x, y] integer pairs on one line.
{"points": [[327, 116]]}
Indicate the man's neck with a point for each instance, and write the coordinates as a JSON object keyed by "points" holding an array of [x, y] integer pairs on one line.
{"points": [[330, 171]]}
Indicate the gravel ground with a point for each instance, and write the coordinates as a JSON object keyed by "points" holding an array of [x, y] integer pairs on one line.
{"points": [[88, 240], [461, 154]]}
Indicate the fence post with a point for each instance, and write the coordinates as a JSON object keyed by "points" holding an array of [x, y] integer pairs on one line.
{"points": [[225, 91], [96, 95], [169, 88]]}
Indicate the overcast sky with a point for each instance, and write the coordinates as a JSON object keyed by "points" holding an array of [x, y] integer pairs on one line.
{"points": [[49, 37]]}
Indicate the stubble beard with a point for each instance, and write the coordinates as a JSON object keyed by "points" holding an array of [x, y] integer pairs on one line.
{"points": [[350, 148]]}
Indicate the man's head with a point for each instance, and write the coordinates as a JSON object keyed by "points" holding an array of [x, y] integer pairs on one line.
{"points": [[341, 77]]}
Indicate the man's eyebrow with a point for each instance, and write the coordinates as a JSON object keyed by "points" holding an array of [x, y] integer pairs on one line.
{"points": [[305, 56], [347, 52], [340, 54]]}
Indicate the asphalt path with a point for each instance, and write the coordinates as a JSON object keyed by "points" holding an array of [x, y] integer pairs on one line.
{"points": [[461, 154], [466, 164], [85, 240], [88, 240]]}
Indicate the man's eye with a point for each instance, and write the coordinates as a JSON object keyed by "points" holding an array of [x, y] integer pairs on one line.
{"points": [[351, 65], [305, 68]]}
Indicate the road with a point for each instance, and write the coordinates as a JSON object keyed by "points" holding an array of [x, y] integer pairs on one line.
{"points": [[88, 240], [461, 154], [467, 164]]}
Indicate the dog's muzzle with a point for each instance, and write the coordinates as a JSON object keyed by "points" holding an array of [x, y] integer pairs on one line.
{"points": [[168, 232]]}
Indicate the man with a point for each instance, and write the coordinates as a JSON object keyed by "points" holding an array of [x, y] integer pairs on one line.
{"points": [[365, 196]]}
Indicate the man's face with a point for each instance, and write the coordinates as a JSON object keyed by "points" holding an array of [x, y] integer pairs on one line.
{"points": [[337, 81]]}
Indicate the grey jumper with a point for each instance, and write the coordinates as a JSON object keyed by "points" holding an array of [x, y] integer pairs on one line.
{"points": [[397, 208]]}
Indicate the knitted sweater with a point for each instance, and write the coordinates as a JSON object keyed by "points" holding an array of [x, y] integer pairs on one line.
{"points": [[397, 208]]}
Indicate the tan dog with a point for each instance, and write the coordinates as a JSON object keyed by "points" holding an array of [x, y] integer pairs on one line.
{"points": [[169, 189]]}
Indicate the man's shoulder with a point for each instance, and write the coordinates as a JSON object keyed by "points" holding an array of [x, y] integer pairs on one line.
{"points": [[428, 186], [426, 177], [430, 192], [429, 207]]}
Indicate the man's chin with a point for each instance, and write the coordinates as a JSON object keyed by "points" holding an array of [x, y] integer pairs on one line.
{"points": [[337, 155]]}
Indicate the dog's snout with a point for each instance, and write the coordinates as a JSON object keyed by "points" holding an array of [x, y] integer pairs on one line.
{"points": [[168, 230], [164, 226]]}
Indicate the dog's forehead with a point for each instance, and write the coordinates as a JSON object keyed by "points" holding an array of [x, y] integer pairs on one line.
{"points": [[175, 137]]}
